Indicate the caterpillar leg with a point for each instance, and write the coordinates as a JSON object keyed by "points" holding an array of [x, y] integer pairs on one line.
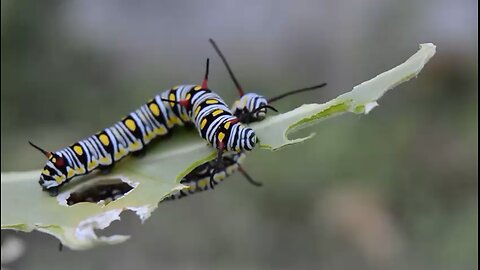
{"points": [[251, 116], [105, 169], [139, 153], [218, 164], [53, 191], [248, 177], [212, 179]]}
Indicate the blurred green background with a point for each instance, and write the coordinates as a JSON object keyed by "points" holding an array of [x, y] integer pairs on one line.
{"points": [[395, 189]]}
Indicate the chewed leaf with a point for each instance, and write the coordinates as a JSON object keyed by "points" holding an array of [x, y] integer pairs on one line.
{"points": [[362, 99], [25, 207], [139, 184]]}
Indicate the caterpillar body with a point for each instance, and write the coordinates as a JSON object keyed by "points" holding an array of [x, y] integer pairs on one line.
{"points": [[180, 105]]}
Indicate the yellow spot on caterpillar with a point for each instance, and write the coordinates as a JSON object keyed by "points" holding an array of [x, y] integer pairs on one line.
{"points": [[147, 138], [204, 122], [176, 120], [121, 153], [78, 150], [130, 124], [202, 183], [46, 172], [221, 136], [54, 160], [212, 101], [118, 155], [70, 173], [161, 130], [196, 88], [92, 164], [227, 125], [105, 160], [104, 139], [135, 146], [171, 96], [80, 170], [217, 112], [197, 110], [191, 187], [58, 179], [154, 109], [189, 96], [184, 117]]}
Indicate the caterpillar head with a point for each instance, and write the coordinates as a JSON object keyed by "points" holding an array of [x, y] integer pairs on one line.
{"points": [[54, 172], [251, 104], [248, 141], [252, 140]]}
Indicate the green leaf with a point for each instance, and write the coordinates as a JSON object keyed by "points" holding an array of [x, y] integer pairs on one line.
{"points": [[25, 207]]}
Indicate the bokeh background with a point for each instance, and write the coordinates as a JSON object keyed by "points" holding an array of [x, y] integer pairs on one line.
{"points": [[396, 189]]}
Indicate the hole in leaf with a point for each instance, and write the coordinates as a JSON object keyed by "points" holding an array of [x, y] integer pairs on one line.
{"points": [[106, 191]]}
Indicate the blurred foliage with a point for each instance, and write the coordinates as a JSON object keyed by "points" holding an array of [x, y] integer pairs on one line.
{"points": [[407, 178]]}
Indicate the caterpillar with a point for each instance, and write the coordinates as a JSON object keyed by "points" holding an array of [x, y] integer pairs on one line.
{"points": [[184, 104], [251, 107], [198, 180]]}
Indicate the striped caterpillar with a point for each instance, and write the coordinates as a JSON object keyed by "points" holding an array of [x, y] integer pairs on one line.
{"points": [[251, 107], [194, 104], [178, 106], [198, 180]]}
